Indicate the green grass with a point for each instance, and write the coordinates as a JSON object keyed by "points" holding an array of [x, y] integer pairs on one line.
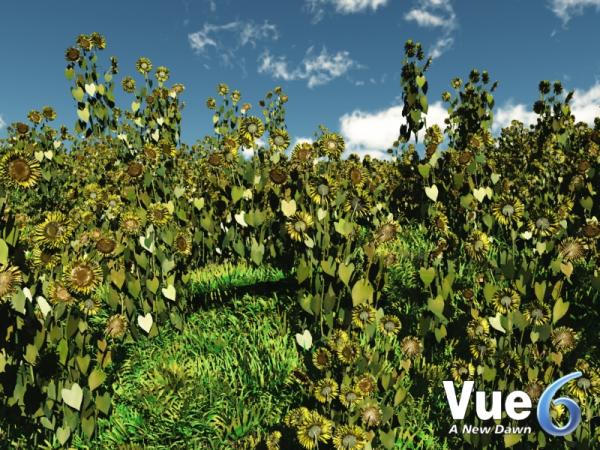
{"points": [[222, 379]]}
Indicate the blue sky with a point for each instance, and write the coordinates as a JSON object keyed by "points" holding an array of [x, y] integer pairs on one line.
{"points": [[338, 60]]}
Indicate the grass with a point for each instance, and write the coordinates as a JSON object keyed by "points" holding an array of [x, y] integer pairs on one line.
{"points": [[220, 382]]}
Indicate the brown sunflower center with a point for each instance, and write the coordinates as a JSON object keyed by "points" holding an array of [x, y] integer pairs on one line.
{"points": [[105, 245], [82, 275], [19, 169], [252, 128], [135, 169], [52, 230], [181, 243], [62, 294], [6, 281], [542, 223]]}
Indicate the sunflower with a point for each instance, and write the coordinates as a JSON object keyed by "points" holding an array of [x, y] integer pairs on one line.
{"points": [[60, 294], [162, 74], [366, 385], [587, 385], [321, 190], [337, 338], [143, 66], [591, 229], [222, 89], [159, 214], [251, 129], [20, 170], [134, 170], [49, 113], [183, 243], [512, 364], [106, 245], [279, 140], [215, 159], [478, 328], [349, 396], [130, 223], [10, 279], [363, 315], [22, 128], [534, 390], [508, 209], [481, 348], [537, 313], [572, 249], [462, 370], [128, 84], [564, 339], [303, 154], [44, 258], [98, 40], [116, 326], [313, 428], [53, 232], [348, 352], [544, 224], [278, 175], [230, 144], [389, 325], [294, 417], [477, 245], [321, 358], [411, 347], [34, 116], [82, 275], [90, 306], [440, 223], [151, 153], [506, 300], [236, 96], [85, 42], [72, 54], [299, 225], [332, 145], [211, 103], [326, 390], [371, 414], [357, 204], [349, 437]]}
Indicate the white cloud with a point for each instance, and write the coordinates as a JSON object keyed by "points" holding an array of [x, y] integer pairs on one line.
{"points": [[585, 106], [2, 123], [317, 69], [435, 14], [374, 132], [228, 38], [566, 9], [317, 7]]}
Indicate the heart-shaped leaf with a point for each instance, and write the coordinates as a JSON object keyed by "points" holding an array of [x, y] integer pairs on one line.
{"points": [[170, 292], [288, 208], [427, 275], [432, 192], [145, 322], [304, 340], [73, 396]]}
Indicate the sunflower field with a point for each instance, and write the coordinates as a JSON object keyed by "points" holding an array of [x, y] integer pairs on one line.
{"points": [[244, 293]]}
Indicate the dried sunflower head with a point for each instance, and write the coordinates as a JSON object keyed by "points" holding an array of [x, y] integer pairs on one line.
{"points": [[20, 170], [116, 326], [564, 339], [10, 279], [82, 275], [54, 231]]}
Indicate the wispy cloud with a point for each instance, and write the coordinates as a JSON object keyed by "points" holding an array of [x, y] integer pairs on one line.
{"points": [[585, 106], [2, 123], [435, 14], [317, 69], [566, 9], [372, 133], [225, 40], [317, 7]]}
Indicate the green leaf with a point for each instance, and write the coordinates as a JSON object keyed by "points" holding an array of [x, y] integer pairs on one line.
{"points": [[345, 272], [96, 378], [436, 306], [118, 277], [3, 252], [559, 310], [427, 275], [362, 292], [511, 439]]}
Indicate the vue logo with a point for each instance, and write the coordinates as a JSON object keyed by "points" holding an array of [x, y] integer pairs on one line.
{"points": [[517, 407]]}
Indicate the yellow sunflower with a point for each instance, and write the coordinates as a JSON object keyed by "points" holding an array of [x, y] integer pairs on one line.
{"points": [[357, 175], [564, 339], [303, 154], [477, 245], [508, 209], [482, 348], [60, 294], [411, 347], [10, 279], [53, 232], [349, 437], [588, 385], [462, 370], [358, 204], [143, 66], [251, 129], [159, 214], [130, 223], [506, 300], [294, 417], [348, 352], [537, 313], [366, 385], [279, 140], [389, 325], [332, 145], [478, 328], [511, 364], [337, 338], [371, 414], [299, 225], [20, 170], [325, 390], [183, 243], [321, 358], [83, 275], [363, 315], [314, 428], [44, 259], [349, 396], [544, 224], [116, 326], [322, 190], [90, 306], [162, 74]]}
